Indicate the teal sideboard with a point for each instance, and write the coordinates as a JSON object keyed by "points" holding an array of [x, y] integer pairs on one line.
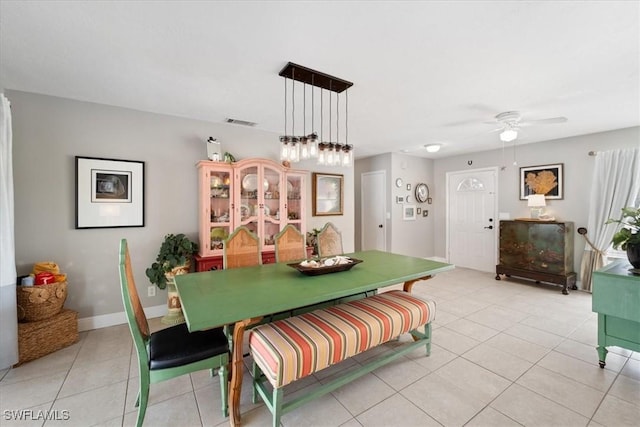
{"points": [[616, 299]]}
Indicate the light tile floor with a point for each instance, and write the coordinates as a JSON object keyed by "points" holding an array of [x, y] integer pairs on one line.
{"points": [[505, 353]]}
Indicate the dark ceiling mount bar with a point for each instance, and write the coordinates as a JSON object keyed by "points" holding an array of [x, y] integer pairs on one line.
{"points": [[314, 78]]}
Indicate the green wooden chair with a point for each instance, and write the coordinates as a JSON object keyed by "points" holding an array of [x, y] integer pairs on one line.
{"points": [[172, 351]]}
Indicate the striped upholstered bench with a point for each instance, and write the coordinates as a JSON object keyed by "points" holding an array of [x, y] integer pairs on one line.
{"points": [[290, 349]]}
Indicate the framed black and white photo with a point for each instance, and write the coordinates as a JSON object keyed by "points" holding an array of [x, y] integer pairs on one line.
{"points": [[109, 193], [546, 179], [327, 194]]}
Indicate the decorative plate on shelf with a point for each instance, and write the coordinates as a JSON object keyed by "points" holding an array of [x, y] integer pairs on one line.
{"points": [[250, 183], [316, 268]]}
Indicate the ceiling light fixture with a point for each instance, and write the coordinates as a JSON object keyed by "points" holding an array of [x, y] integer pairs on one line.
{"points": [[508, 134], [432, 148], [294, 148]]}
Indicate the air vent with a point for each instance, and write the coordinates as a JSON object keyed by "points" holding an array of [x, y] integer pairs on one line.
{"points": [[239, 122]]}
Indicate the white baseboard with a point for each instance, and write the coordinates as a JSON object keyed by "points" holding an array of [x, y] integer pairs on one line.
{"points": [[112, 319], [437, 258]]}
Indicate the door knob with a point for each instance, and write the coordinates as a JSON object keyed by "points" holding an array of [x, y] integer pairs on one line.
{"points": [[490, 227]]}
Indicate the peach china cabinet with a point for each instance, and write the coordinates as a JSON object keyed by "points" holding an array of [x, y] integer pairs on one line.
{"points": [[257, 193]]}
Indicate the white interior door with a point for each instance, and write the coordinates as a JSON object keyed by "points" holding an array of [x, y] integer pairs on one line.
{"points": [[472, 223], [373, 196]]}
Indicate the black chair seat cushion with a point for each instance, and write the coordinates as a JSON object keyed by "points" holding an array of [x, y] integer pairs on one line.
{"points": [[176, 346]]}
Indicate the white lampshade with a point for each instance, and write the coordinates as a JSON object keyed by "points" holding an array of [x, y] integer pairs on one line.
{"points": [[536, 201]]}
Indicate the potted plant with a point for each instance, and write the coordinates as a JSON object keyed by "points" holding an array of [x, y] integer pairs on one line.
{"points": [[628, 236], [174, 257]]}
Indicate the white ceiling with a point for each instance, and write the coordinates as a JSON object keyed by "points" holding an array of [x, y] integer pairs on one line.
{"points": [[423, 72]]}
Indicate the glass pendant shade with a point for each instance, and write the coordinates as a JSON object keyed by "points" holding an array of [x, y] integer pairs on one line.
{"points": [[304, 148], [284, 148]]}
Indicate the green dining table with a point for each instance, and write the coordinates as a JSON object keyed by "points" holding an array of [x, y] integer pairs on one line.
{"points": [[244, 296]]}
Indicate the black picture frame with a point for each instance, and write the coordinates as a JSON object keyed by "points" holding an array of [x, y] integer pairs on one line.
{"points": [[555, 171], [109, 193]]}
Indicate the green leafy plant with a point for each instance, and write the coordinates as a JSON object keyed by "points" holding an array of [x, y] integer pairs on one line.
{"points": [[629, 233], [175, 251]]}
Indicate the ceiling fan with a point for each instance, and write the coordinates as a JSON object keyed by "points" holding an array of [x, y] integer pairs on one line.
{"points": [[510, 122]]}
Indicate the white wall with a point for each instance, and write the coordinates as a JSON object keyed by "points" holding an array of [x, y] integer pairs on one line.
{"points": [[578, 171], [403, 237], [49, 132]]}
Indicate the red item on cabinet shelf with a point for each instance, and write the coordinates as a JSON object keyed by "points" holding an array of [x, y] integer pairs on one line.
{"points": [[44, 278]]}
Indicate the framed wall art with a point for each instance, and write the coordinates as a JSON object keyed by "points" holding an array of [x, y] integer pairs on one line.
{"points": [[546, 179], [409, 212], [109, 193], [327, 194]]}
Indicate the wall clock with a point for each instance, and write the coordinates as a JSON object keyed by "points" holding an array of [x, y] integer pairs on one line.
{"points": [[398, 182], [422, 192]]}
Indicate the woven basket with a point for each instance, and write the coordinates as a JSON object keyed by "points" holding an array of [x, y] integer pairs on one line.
{"points": [[40, 302], [37, 339]]}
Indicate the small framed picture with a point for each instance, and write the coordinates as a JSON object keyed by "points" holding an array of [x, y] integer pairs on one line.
{"points": [[409, 212], [425, 212], [408, 187], [327, 194], [546, 179], [418, 211], [109, 193]]}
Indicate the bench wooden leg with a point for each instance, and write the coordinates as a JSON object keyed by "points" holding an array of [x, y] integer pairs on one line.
{"points": [[278, 399], [255, 373]]}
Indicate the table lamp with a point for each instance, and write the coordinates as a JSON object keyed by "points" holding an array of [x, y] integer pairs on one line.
{"points": [[537, 203]]}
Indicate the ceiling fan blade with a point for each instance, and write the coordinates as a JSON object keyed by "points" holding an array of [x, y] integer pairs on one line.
{"points": [[548, 121]]}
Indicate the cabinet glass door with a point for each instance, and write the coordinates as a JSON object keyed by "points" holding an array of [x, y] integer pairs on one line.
{"points": [[220, 208], [250, 187], [293, 202], [271, 219]]}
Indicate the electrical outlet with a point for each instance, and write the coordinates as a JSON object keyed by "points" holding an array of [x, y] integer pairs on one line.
{"points": [[151, 291]]}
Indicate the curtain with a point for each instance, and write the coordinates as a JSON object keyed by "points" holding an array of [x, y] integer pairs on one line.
{"points": [[8, 315], [615, 185]]}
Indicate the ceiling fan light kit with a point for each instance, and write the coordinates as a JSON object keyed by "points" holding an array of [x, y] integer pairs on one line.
{"points": [[508, 135], [511, 121]]}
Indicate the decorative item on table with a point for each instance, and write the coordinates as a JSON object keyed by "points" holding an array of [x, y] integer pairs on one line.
{"points": [[45, 297], [174, 257], [214, 149], [325, 266], [627, 237]]}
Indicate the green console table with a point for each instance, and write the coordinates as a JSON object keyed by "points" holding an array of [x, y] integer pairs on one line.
{"points": [[616, 299]]}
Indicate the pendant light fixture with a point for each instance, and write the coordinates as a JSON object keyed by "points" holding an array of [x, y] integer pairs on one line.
{"points": [[294, 148]]}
